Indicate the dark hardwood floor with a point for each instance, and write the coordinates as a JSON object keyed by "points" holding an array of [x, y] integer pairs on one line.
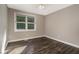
{"points": [[45, 45]]}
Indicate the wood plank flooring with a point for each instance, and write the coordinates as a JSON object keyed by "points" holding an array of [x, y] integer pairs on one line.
{"points": [[44, 45]]}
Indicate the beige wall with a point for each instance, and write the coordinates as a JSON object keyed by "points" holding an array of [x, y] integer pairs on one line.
{"points": [[3, 26], [64, 25], [14, 36]]}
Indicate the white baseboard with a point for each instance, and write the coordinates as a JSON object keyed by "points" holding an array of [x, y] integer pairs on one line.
{"points": [[63, 41], [48, 37], [26, 38]]}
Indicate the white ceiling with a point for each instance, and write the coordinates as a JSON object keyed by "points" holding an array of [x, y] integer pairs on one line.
{"points": [[33, 8]]}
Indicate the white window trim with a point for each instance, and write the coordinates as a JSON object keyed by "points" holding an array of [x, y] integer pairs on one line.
{"points": [[22, 30]]}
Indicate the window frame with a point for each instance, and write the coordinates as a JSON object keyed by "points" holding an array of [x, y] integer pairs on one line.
{"points": [[26, 29]]}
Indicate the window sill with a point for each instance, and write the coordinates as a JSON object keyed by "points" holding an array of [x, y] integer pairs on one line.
{"points": [[24, 30]]}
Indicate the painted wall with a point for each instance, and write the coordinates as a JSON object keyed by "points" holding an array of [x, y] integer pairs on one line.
{"points": [[64, 25], [3, 24], [15, 36]]}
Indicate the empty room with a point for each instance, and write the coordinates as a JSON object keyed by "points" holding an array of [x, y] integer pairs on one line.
{"points": [[39, 28]]}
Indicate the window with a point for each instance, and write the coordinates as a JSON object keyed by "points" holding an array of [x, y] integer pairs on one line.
{"points": [[24, 23], [30, 22]]}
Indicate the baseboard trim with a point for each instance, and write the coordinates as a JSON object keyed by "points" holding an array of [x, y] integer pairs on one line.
{"points": [[47, 37], [25, 38], [62, 41]]}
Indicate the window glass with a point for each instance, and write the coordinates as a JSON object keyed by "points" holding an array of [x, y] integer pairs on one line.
{"points": [[24, 22], [30, 26], [30, 19], [21, 18], [21, 26]]}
